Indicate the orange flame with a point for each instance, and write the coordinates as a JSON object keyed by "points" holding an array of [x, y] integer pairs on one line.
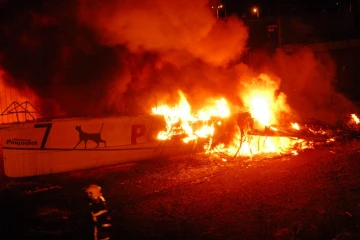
{"points": [[261, 102], [180, 120]]}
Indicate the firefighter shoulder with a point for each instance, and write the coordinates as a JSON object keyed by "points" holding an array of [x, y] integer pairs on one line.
{"points": [[98, 207]]}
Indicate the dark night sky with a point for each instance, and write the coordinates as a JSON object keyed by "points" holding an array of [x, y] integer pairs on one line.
{"points": [[273, 6]]}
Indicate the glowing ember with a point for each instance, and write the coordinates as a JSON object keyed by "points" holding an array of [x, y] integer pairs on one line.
{"points": [[355, 118], [263, 144]]}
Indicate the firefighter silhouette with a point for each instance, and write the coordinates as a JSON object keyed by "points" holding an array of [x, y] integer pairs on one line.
{"points": [[99, 213]]}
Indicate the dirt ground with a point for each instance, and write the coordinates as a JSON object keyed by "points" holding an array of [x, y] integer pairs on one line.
{"points": [[314, 195]]}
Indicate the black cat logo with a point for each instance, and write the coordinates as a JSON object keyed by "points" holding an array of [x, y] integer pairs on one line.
{"points": [[84, 136]]}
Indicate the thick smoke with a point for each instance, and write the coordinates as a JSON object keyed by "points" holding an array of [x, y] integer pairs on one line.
{"points": [[166, 26], [177, 44], [97, 57]]}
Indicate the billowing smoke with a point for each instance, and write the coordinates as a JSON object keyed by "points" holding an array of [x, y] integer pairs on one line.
{"points": [[97, 57], [166, 27], [308, 79], [176, 44]]}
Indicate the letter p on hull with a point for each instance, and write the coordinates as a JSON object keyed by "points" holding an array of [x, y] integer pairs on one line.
{"points": [[137, 130]]}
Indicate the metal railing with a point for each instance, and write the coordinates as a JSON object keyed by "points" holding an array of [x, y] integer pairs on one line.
{"points": [[24, 109]]}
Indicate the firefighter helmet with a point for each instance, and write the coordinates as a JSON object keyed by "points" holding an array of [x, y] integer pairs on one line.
{"points": [[93, 191]]}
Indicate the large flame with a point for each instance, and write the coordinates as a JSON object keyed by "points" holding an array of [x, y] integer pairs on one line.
{"points": [[262, 104], [260, 100]]}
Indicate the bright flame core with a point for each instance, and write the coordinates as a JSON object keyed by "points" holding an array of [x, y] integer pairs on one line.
{"points": [[355, 118], [260, 109], [260, 100], [295, 126]]}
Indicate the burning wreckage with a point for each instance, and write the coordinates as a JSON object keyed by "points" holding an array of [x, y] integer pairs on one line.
{"points": [[61, 145], [240, 134]]}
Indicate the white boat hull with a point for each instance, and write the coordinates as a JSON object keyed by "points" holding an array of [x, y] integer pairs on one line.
{"points": [[56, 146]]}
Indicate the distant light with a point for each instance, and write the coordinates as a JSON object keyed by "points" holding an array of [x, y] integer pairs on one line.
{"points": [[255, 11], [220, 6]]}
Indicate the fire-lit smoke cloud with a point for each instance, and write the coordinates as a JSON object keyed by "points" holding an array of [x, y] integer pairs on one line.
{"points": [[165, 27], [93, 57], [175, 44]]}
